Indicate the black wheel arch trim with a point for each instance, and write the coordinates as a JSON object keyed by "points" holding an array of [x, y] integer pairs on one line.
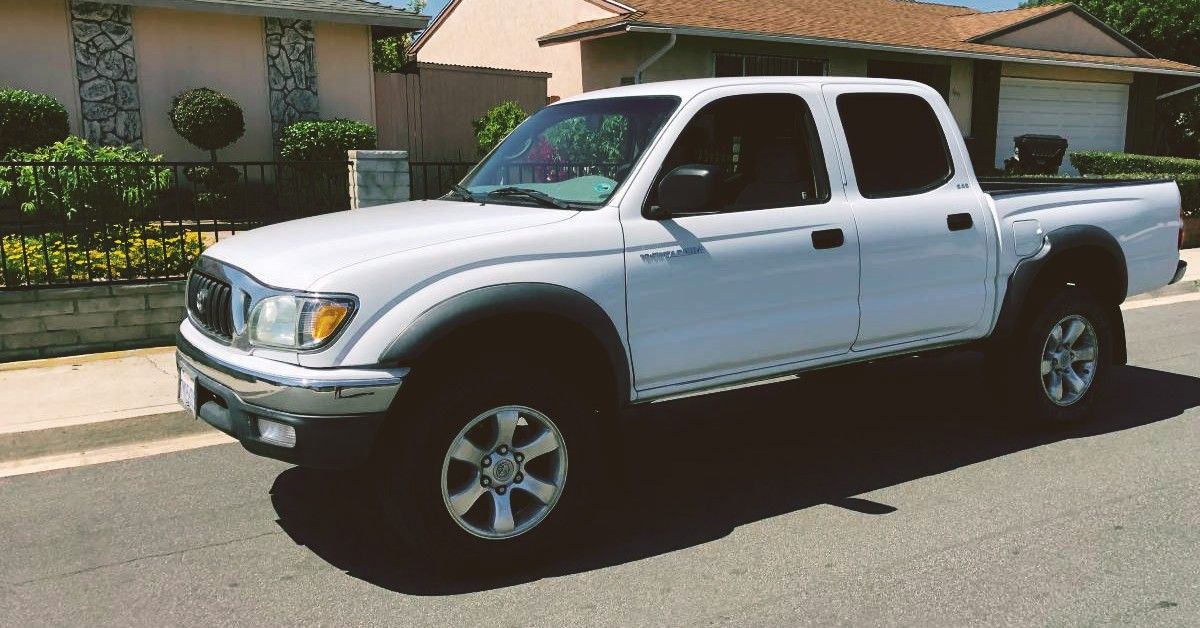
{"points": [[1028, 270], [479, 304]]}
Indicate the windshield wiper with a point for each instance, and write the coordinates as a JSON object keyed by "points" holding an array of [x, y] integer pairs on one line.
{"points": [[466, 194], [541, 197]]}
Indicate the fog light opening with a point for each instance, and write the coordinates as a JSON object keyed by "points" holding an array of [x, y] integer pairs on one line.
{"points": [[276, 433]]}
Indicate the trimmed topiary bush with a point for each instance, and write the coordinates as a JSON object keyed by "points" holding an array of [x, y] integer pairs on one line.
{"points": [[208, 119], [496, 124], [1107, 164], [325, 140], [29, 121]]}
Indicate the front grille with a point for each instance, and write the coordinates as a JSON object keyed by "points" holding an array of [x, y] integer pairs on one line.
{"points": [[210, 302]]}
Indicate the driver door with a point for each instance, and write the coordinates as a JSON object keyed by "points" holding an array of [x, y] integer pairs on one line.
{"points": [[765, 277]]}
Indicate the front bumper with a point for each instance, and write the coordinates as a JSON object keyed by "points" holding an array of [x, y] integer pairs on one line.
{"points": [[336, 413]]}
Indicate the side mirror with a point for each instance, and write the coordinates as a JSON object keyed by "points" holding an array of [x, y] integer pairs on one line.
{"points": [[685, 190]]}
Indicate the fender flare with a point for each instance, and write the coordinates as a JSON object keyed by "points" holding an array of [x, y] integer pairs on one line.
{"points": [[473, 306], [1028, 270]]}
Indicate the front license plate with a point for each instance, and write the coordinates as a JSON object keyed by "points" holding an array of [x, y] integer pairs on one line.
{"points": [[187, 392]]}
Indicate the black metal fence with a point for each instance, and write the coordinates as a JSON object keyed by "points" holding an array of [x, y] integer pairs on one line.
{"points": [[70, 223], [432, 179]]}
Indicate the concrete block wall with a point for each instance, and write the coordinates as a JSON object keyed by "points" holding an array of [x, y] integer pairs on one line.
{"points": [[379, 177], [53, 322]]}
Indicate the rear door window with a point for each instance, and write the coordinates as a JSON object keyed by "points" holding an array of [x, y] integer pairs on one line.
{"points": [[897, 145]]}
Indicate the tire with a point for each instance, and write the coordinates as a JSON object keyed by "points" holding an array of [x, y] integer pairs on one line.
{"points": [[414, 461], [1050, 381]]}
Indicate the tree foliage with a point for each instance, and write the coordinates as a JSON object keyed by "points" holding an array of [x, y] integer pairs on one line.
{"points": [[576, 141], [1169, 29], [389, 54], [496, 124], [94, 192], [208, 119], [29, 121]]}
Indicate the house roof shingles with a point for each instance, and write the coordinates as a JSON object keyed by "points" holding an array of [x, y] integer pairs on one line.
{"points": [[350, 11], [914, 26]]}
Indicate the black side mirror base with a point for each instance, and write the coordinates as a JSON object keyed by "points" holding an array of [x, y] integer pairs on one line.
{"points": [[656, 212]]}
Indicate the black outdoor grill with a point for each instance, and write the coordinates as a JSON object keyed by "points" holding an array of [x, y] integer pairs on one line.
{"points": [[1036, 154]]}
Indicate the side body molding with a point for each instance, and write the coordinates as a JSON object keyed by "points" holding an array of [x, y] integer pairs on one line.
{"points": [[480, 304], [1057, 243]]}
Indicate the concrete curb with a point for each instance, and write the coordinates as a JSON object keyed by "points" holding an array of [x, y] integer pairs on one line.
{"points": [[82, 437], [1187, 286]]}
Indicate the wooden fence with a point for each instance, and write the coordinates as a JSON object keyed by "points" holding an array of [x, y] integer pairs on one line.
{"points": [[427, 110]]}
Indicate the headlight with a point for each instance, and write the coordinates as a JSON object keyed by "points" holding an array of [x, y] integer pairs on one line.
{"points": [[297, 322]]}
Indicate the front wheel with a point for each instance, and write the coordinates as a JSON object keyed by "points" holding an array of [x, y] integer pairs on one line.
{"points": [[489, 466], [1061, 360]]}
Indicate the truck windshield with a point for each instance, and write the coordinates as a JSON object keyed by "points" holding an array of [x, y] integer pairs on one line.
{"points": [[571, 155]]}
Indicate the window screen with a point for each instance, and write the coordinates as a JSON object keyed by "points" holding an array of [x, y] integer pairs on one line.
{"points": [[734, 64], [765, 147], [896, 144]]}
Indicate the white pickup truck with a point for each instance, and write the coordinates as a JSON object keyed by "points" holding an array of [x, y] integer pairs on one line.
{"points": [[640, 243]]}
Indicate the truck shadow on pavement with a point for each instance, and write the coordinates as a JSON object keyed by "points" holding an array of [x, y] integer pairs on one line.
{"points": [[696, 469]]}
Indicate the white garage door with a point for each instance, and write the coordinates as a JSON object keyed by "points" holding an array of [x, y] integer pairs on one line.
{"points": [[1090, 115]]}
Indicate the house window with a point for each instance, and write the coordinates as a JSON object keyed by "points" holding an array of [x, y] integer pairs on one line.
{"points": [[734, 64], [934, 75]]}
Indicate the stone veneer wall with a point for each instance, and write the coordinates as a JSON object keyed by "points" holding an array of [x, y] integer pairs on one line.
{"points": [[53, 322], [291, 72], [107, 72]]}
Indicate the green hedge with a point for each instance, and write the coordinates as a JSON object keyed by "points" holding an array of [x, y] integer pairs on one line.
{"points": [[120, 252], [29, 121], [325, 140], [1110, 164]]}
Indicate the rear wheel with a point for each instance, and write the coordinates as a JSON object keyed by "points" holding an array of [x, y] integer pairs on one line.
{"points": [[1060, 361], [489, 466]]}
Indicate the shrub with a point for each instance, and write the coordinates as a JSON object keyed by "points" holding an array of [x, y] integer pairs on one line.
{"points": [[496, 124], [86, 192], [118, 252], [29, 121], [208, 119], [215, 177], [325, 140], [1100, 163]]}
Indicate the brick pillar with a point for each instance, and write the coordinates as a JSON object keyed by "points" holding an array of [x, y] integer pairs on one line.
{"points": [[378, 177]]}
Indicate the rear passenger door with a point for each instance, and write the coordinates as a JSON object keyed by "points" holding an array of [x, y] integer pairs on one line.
{"points": [[922, 224], [765, 276]]}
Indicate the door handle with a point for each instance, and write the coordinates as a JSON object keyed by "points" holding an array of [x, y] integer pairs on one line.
{"points": [[828, 238], [959, 222]]}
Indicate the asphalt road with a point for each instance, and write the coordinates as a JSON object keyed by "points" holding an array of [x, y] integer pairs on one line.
{"points": [[890, 499]]}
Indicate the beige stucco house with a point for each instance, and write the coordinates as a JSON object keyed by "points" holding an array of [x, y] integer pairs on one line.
{"points": [[117, 67], [1053, 69]]}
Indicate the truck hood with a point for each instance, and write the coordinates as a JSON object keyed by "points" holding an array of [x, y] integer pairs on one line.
{"points": [[296, 254]]}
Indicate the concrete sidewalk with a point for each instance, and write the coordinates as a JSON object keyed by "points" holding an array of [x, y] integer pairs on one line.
{"points": [[74, 405]]}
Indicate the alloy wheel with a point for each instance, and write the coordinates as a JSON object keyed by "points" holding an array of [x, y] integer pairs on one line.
{"points": [[507, 485], [1069, 360]]}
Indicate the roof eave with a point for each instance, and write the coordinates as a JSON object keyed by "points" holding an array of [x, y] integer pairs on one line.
{"points": [[406, 21], [1065, 8], [626, 27]]}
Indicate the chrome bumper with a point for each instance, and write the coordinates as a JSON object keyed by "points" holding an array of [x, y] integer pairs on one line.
{"points": [[294, 389]]}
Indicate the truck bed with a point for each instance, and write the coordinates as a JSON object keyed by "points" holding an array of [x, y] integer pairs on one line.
{"points": [[1008, 186]]}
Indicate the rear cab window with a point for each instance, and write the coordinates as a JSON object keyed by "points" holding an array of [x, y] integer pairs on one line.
{"points": [[897, 146]]}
